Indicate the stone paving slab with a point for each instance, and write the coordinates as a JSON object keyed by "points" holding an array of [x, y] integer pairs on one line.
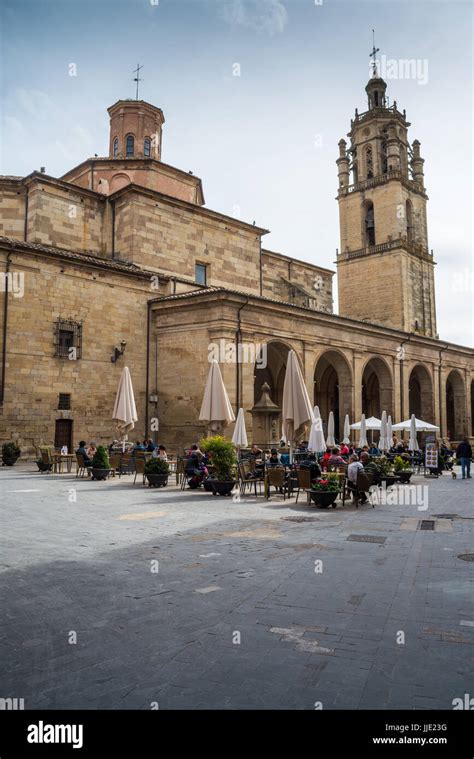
{"points": [[246, 610]]}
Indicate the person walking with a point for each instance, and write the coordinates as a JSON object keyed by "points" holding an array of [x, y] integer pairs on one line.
{"points": [[464, 454]]}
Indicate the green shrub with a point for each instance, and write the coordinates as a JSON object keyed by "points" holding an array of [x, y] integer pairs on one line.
{"points": [[101, 458], [222, 455], [157, 466], [10, 451], [400, 464]]}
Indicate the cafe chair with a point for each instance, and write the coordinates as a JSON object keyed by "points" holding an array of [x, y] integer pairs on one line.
{"points": [[276, 477]]}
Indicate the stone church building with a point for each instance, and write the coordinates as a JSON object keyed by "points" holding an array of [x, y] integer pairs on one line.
{"points": [[118, 262]]}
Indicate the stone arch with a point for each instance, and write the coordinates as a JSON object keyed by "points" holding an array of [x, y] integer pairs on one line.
{"points": [[455, 405], [267, 428], [377, 387], [368, 223], [420, 393], [122, 179], [333, 383]]}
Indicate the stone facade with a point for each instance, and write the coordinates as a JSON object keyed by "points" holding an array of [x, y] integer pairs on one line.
{"points": [[109, 252]]}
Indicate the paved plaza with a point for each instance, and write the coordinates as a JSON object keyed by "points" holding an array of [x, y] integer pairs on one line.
{"points": [[116, 596]]}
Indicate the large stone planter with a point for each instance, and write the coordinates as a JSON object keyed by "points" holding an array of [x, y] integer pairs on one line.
{"points": [[223, 487], [156, 480], [324, 498], [99, 474], [404, 475]]}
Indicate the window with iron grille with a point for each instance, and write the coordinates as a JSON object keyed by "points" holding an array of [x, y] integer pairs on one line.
{"points": [[68, 339], [64, 402]]}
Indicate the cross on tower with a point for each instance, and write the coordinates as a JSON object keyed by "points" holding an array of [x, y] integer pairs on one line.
{"points": [[374, 52], [137, 77]]}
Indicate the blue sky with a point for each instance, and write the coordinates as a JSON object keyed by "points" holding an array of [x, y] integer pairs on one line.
{"points": [[265, 142]]}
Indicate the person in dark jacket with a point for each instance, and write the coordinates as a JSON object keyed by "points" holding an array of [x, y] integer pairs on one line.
{"points": [[464, 454], [310, 463], [83, 452]]}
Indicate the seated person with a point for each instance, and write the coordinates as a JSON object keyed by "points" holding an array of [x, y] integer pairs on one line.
{"points": [[138, 446], [326, 457], [150, 446], [256, 452], [335, 459], [373, 450], [310, 463], [303, 447], [92, 450], [344, 450], [195, 451], [160, 453], [370, 466], [352, 472], [274, 459], [83, 452]]}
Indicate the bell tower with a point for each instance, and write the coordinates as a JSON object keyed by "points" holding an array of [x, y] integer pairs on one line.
{"points": [[384, 268]]}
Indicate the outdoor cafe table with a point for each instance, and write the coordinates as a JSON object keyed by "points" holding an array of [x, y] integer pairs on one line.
{"points": [[58, 459]]}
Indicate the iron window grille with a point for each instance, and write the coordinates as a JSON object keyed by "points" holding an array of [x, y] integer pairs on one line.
{"points": [[68, 334], [64, 402]]}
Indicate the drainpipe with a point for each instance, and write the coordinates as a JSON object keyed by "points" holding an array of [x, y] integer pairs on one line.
{"points": [[238, 341], [440, 395], [5, 321], [25, 232], [261, 272]]}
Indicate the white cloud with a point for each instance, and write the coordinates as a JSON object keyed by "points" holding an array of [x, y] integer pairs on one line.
{"points": [[11, 122], [264, 16], [36, 103]]}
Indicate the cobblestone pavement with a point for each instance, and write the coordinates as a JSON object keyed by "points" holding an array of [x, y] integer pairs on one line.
{"points": [[184, 600]]}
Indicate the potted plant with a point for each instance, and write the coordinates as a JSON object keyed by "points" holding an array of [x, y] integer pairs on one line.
{"points": [[325, 490], [385, 469], [10, 453], [157, 471], [402, 468], [223, 460], [100, 464]]}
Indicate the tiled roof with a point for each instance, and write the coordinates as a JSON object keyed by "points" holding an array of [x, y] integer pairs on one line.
{"points": [[86, 258]]}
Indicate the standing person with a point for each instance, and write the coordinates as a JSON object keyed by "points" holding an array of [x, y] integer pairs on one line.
{"points": [[464, 454]]}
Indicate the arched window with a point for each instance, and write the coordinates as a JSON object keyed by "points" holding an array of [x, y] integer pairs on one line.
{"points": [[369, 161], [369, 224], [409, 220], [147, 147], [130, 143], [116, 147]]}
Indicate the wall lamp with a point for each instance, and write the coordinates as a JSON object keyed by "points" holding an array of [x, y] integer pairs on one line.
{"points": [[118, 351]]}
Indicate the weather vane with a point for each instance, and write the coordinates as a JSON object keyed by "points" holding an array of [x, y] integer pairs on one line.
{"points": [[374, 52], [137, 78]]}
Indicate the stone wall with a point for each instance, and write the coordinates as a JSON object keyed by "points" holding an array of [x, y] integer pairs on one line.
{"points": [[278, 270], [12, 210], [66, 218], [111, 307]]}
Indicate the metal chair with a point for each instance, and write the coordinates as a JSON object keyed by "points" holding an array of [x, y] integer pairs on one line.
{"points": [[276, 477], [80, 465], [140, 469], [304, 482], [115, 459]]}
